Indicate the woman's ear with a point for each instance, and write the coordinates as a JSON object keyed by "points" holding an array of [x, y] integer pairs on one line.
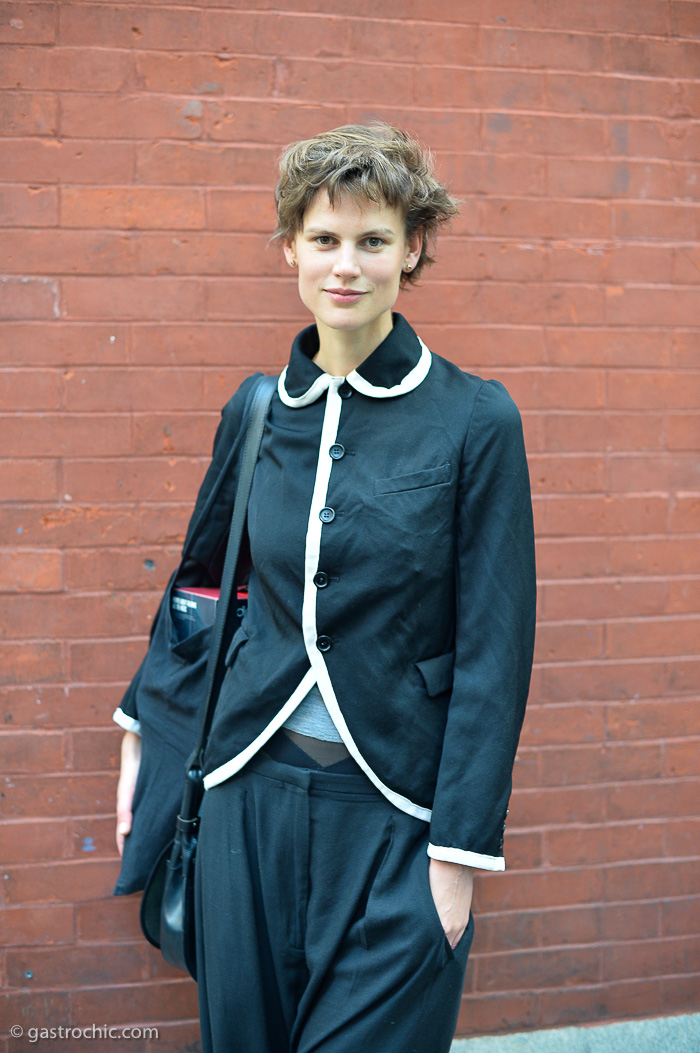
{"points": [[289, 252], [414, 246]]}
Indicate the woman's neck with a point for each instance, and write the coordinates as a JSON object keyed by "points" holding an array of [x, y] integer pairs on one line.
{"points": [[341, 351]]}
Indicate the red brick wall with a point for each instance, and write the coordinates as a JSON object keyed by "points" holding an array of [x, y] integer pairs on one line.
{"points": [[138, 290]]}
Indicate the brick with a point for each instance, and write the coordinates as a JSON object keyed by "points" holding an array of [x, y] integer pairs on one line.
{"points": [[579, 765], [32, 842], [681, 917], [542, 968], [545, 219], [29, 480], [684, 596], [89, 390], [113, 919], [602, 681], [28, 23], [37, 1012], [653, 800], [547, 135], [483, 1013], [132, 208], [651, 17], [586, 846], [38, 925], [600, 1003], [54, 525], [30, 570], [654, 139], [502, 932], [32, 751], [194, 73], [74, 616], [602, 599], [569, 640], [94, 299], [646, 220], [681, 759], [685, 19], [663, 58], [209, 253], [186, 434], [539, 808], [115, 660], [641, 638], [68, 252], [63, 69], [64, 882], [62, 344], [604, 431], [28, 113], [147, 1003], [541, 890], [677, 993], [651, 306], [215, 164], [142, 568], [130, 117], [684, 513], [684, 348], [95, 750], [652, 556], [43, 706], [363, 83], [584, 514], [598, 92], [129, 27], [257, 122], [77, 966], [556, 725], [59, 796], [28, 298], [32, 435], [71, 161], [176, 479], [161, 526], [93, 838], [606, 347], [664, 472], [565, 557], [575, 473], [649, 719], [653, 959], [28, 206]]}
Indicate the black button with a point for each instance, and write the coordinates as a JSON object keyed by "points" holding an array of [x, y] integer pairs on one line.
{"points": [[324, 643], [345, 391], [321, 579], [326, 515], [337, 451]]}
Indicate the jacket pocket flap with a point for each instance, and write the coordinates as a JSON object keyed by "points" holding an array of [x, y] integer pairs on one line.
{"points": [[413, 481], [437, 673]]}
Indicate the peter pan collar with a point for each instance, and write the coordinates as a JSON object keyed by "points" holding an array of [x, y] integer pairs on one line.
{"points": [[398, 365]]}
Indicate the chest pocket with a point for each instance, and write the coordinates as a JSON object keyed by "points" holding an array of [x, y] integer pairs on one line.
{"points": [[413, 481]]}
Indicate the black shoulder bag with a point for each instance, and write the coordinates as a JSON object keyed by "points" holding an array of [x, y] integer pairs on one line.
{"points": [[167, 905]]}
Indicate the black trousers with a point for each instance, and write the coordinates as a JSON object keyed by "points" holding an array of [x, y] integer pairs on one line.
{"points": [[317, 930]]}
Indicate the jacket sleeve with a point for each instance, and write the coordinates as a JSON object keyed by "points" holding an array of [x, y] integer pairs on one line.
{"points": [[208, 548], [494, 637]]}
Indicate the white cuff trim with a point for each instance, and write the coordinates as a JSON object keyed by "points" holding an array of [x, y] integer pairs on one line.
{"points": [[467, 859], [125, 721]]}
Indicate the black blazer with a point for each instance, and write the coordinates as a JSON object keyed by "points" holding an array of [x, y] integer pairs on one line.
{"points": [[392, 553]]}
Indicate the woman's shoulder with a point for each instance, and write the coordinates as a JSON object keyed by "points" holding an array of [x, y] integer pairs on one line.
{"points": [[487, 396]]}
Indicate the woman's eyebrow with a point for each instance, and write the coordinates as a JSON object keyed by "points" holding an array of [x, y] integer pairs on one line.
{"points": [[378, 232]]}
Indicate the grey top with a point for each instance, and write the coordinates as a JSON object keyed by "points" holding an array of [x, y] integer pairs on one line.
{"points": [[312, 718]]}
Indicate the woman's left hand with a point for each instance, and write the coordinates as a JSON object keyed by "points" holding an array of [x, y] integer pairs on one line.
{"points": [[451, 885]]}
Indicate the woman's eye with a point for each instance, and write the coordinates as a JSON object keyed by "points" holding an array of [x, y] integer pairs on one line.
{"points": [[375, 243], [324, 239]]}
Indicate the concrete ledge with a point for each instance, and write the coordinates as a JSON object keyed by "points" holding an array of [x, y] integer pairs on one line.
{"points": [[670, 1034]]}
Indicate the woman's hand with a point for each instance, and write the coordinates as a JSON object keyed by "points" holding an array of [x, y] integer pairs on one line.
{"points": [[452, 885], [131, 758]]}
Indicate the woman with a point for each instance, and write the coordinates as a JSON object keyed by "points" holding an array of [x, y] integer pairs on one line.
{"points": [[359, 764]]}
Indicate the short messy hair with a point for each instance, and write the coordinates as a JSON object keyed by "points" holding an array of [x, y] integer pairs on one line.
{"points": [[374, 162]]}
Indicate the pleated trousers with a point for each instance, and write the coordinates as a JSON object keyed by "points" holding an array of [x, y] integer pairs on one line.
{"points": [[317, 930]]}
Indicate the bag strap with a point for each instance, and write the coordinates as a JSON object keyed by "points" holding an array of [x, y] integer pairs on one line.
{"points": [[260, 402]]}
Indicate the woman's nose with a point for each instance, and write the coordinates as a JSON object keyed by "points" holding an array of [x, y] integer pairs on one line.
{"points": [[346, 261]]}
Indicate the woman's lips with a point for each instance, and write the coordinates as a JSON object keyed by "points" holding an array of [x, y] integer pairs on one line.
{"points": [[344, 296]]}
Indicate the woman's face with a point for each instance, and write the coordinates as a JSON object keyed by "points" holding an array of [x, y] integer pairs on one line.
{"points": [[350, 261]]}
